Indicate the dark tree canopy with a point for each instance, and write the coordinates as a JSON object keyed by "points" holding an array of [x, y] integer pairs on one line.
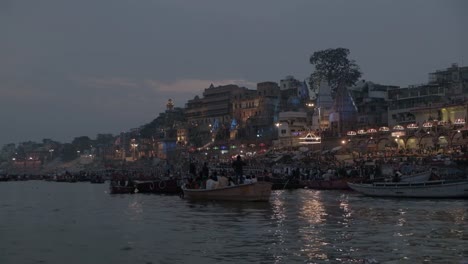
{"points": [[82, 143], [334, 67]]}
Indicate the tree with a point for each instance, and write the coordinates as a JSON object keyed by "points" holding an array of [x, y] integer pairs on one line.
{"points": [[68, 152], [105, 139], [334, 67], [82, 143]]}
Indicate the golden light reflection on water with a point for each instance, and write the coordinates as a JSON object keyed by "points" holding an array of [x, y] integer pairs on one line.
{"points": [[279, 217], [347, 213], [312, 210], [401, 220]]}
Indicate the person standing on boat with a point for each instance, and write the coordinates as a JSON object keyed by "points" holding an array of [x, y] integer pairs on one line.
{"points": [[238, 166], [205, 171], [192, 169]]}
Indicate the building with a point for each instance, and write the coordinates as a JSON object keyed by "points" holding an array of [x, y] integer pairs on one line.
{"points": [[372, 103], [210, 114], [291, 126], [256, 112]]}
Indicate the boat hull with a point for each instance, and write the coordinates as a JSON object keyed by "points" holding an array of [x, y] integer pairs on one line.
{"points": [[339, 184], [259, 191], [169, 186], [122, 189], [429, 189]]}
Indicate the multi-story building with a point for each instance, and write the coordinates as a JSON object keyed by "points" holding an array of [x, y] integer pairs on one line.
{"points": [[432, 114], [442, 99], [257, 111], [371, 101], [291, 127], [294, 94], [212, 112]]}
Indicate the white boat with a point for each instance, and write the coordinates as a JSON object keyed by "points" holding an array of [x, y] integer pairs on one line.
{"points": [[257, 191], [417, 177], [427, 189]]}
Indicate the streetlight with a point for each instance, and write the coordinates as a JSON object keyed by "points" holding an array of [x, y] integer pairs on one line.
{"points": [[134, 146]]}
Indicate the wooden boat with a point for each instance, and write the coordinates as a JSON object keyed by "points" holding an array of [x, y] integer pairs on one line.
{"points": [[427, 189], [97, 180], [119, 187], [334, 184], [116, 189], [284, 183], [167, 186], [257, 191]]}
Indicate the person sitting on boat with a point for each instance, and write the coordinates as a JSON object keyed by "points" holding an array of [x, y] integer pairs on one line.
{"points": [[397, 176], [192, 184], [248, 180], [253, 178], [231, 181], [211, 183], [238, 166], [223, 181]]}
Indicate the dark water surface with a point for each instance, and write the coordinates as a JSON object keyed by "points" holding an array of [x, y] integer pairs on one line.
{"points": [[48, 222]]}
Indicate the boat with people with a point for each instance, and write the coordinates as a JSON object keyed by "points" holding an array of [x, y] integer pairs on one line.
{"points": [[425, 189], [254, 191]]}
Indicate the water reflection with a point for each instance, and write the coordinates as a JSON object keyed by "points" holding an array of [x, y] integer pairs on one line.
{"points": [[303, 226], [313, 212]]}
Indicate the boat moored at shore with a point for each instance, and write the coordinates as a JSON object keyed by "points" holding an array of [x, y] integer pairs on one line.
{"points": [[257, 191], [427, 189]]}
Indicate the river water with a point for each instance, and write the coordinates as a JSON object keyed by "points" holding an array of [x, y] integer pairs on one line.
{"points": [[48, 222]]}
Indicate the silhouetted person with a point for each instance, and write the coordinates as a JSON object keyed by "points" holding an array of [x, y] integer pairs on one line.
{"points": [[238, 166]]}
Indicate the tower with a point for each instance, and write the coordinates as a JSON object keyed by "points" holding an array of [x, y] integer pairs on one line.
{"points": [[169, 105]]}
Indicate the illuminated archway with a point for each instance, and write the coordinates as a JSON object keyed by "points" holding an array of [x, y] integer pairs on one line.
{"points": [[383, 143], [400, 142], [457, 139], [427, 141], [412, 143]]}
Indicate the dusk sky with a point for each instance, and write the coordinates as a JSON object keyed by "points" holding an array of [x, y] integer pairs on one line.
{"points": [[72, 68]]}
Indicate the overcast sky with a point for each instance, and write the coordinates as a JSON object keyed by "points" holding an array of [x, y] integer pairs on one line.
{"points": [[70, 68]]}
